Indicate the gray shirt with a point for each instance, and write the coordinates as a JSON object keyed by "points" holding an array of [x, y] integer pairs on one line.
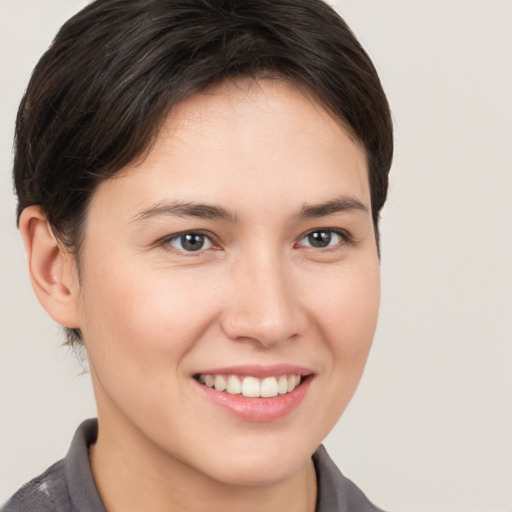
{"points": [[68, 485]]}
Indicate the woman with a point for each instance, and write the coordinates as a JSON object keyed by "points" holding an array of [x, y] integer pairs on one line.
{"points": [[199, 189]]}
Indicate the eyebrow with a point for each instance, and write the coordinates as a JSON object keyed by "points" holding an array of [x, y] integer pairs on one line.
{"points": [[214, 212], [338, 205], [185, 209]]}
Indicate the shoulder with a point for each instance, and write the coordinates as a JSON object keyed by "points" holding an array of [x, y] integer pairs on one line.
{"points": [[67, 486], [337, 493], [41, 494]]}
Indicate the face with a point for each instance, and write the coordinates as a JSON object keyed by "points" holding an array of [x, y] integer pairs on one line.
{"points": [[238, 252]]}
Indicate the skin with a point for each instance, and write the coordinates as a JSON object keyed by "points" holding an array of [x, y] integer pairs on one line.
{"points": [[152, 314]]}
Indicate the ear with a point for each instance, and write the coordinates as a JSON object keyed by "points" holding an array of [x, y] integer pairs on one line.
{"points": [[52, 268]]}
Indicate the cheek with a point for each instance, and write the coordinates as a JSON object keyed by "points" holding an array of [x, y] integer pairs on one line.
{"points": [[348, 322], [349, 310], [138, 329], [345, 318], [142, 317]]}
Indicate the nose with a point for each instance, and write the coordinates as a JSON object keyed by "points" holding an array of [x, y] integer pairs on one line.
{"points": [[264, 305]]}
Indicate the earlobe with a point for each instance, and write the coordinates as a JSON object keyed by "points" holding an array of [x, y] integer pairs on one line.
{"points": [[51, 267]]}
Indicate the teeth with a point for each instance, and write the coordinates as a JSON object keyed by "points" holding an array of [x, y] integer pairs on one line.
{"points": [[251, 386], [220, 383], [234, 385], [282, 385], [269, 387], [293, 382], [209, 380]]}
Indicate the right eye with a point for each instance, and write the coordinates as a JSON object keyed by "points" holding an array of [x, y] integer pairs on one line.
{"points": [[325, 238], [191, 241]]}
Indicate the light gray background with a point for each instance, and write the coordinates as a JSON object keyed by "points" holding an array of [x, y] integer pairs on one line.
{"points": [[430, 428]]}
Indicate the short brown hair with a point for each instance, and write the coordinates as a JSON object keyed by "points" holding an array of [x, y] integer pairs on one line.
{"points": [[98, 96]]}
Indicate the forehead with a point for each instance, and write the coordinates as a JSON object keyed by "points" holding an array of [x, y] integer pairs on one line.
{"points": [[253, 108], [247, 143]]}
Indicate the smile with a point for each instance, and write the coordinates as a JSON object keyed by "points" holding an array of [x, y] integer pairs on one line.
{"points": [[251, 387], [253, 392]]}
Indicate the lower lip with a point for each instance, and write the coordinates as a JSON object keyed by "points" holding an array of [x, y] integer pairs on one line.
{"points": [[257, 409]]}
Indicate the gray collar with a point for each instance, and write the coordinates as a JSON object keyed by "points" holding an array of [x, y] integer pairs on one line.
{"points": [[336, 493]]}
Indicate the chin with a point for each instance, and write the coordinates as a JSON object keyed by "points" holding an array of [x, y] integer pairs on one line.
{"points": [[254, 461]]}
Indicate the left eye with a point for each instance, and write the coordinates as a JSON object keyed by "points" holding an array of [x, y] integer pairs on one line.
{"points": [[190, 242], [321, 239]]}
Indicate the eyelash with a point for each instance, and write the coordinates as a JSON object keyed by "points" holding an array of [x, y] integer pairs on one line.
{"points": [[345, 238], [208, 238], [166, 243]]}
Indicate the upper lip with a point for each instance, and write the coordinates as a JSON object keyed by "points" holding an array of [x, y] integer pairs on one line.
{"points": [[259, 371]]}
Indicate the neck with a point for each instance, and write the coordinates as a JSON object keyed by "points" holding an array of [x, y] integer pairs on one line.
{"points": [[142, 478]]}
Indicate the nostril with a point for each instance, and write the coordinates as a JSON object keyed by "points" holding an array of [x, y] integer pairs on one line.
{"points": [[249, 326]]}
